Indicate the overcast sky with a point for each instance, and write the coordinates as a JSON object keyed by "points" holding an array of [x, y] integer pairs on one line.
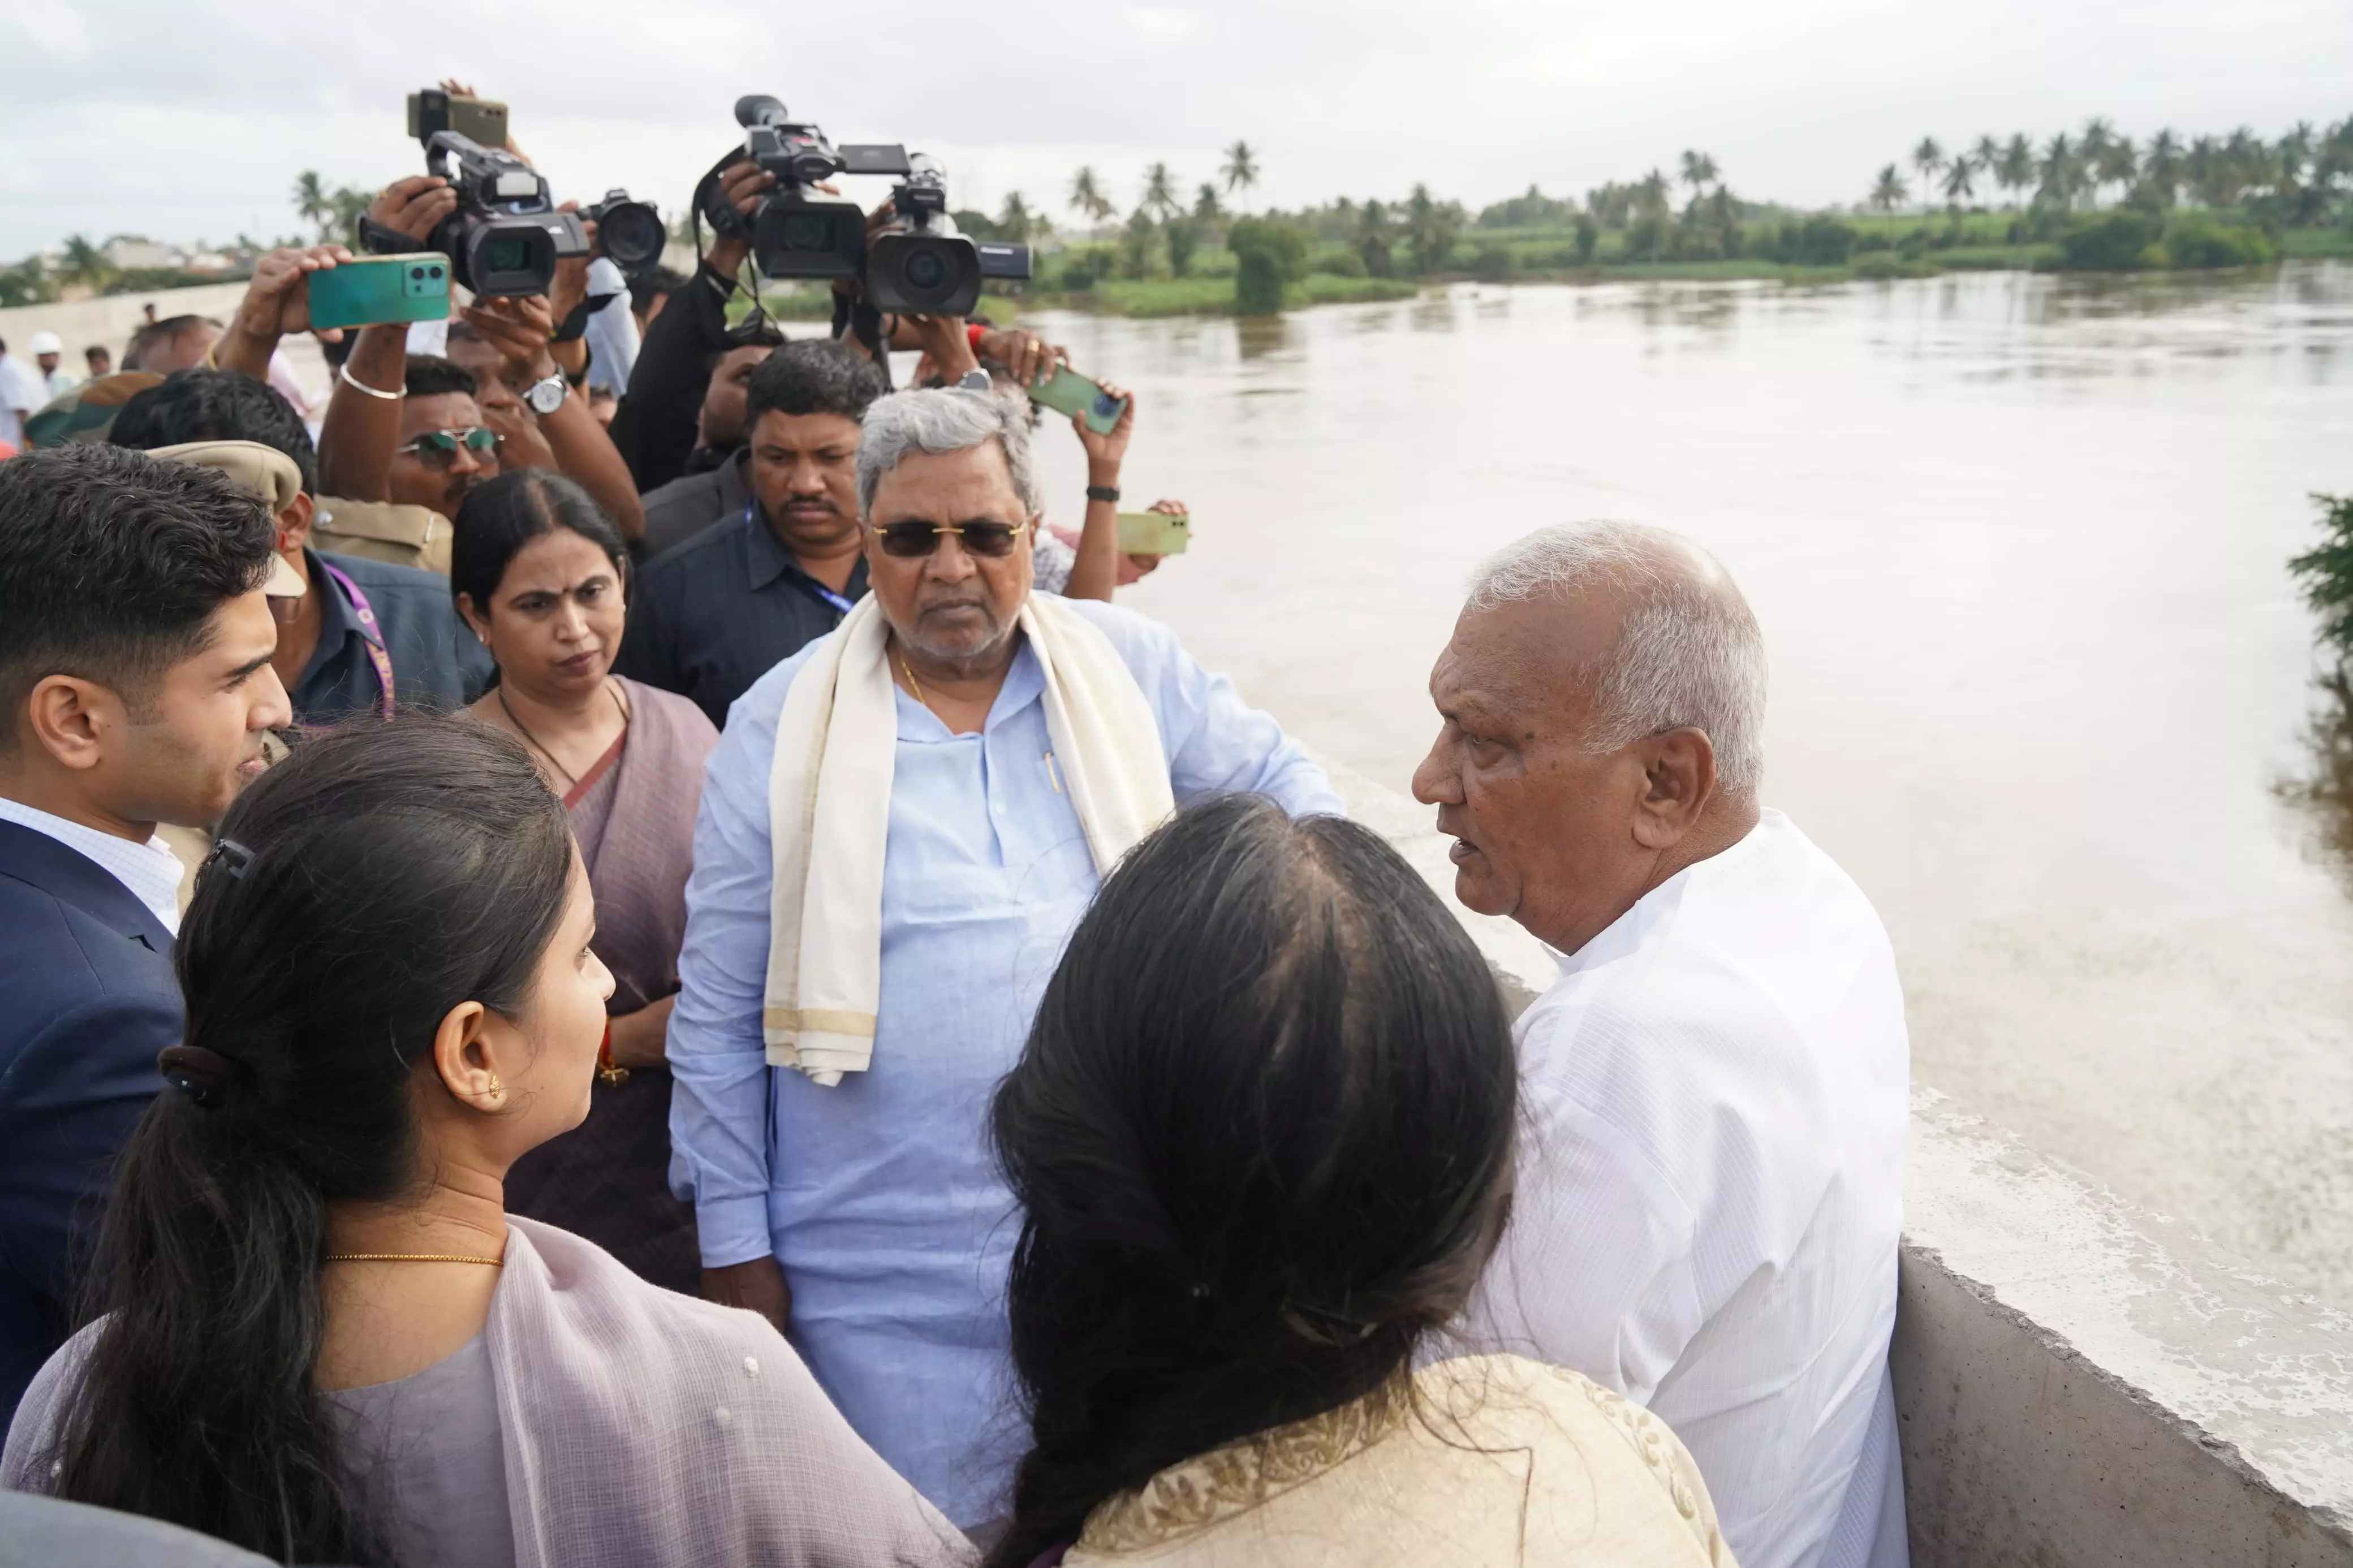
{"points": [[190, 119]]}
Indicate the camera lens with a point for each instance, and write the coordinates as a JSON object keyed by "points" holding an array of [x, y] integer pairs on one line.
{"points": [[416, 272], [506, 254], [437, 272], [631, 234], [808, 231], [926, 271]]}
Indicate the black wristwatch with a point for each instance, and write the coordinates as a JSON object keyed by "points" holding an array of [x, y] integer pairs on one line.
{"points": [[1103, 493]]}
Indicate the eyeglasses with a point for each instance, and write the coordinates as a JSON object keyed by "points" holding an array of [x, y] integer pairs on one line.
{"points": [[993, 540], [438, 448]]}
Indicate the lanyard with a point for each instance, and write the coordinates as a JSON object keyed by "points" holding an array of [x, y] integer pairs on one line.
{"points": [[371, 634], [824, 594]]}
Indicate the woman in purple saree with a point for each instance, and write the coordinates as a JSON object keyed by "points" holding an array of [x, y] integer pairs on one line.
{"points": [[540, 573]]}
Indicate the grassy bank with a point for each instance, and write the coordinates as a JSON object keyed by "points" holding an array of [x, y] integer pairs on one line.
{"points": [[1084, 276]]}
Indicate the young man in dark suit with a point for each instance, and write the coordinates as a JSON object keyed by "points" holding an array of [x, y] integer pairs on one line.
{"points": [[135, 687]]}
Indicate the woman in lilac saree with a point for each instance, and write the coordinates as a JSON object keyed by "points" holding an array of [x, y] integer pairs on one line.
{"points": [[539, 574]]}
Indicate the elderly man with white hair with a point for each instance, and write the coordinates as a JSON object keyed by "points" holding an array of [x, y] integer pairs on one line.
{"points": [[1709, 1194], [900, 827]]}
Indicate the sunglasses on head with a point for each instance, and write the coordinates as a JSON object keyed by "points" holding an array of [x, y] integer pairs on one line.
{"points": [[438, 448], [909, 540]]}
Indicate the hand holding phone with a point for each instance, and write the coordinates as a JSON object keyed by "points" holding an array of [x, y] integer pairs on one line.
{"points": [[1068, 392], [374, 290]]}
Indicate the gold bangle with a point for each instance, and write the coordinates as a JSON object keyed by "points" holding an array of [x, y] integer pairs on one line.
{"points": [[343, 374]]}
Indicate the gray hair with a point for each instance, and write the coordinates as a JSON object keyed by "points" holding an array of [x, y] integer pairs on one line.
{"points": [[1689, 654], [939, 420]]}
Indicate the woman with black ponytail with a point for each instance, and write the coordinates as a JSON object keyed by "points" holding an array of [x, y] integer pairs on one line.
{"points": [[1262, 1130], [322, 1336]]}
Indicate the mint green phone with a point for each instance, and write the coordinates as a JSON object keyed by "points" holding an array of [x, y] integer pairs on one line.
{"points": [[1154, 533], [375, 289], [1068, 392]]}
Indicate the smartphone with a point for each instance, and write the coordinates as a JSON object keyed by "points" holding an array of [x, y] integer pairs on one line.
{"points": [[1068, 392], [1154, 533], [375, 289], [482, 121]]}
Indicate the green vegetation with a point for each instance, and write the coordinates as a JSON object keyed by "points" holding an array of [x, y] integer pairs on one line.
{"points": [[2327, 574]]}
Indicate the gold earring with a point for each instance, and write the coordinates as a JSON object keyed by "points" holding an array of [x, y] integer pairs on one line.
{"points": [[498, 1089]]}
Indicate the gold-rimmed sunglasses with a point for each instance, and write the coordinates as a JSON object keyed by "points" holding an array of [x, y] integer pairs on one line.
{"points": [[992, 541]]}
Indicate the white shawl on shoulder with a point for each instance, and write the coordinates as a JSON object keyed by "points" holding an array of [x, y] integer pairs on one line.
{"points": [[830, 813]]}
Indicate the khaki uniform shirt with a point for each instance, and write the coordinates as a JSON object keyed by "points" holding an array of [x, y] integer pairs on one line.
{"points": [[381, 530]]}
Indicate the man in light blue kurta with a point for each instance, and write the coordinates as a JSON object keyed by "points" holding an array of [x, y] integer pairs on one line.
{"points": [[878, 1197]]}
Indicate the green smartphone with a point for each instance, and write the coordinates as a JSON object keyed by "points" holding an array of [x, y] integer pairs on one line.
{"points": [[1154, 533], [373, 291], [1068, 392]]}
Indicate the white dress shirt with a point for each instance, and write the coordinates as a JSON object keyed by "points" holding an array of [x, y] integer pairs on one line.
{"points": [[150, 871], [1710, 1199]]}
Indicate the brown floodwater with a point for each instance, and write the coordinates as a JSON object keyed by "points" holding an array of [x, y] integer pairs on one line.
{"points": [[2041, 680]]}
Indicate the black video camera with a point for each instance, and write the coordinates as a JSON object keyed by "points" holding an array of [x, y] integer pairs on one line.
{"points": [[506, 235], [917, 263], [630, 232]]}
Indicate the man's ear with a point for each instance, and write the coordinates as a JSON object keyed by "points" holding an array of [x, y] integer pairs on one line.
{"points": [[1679, 780], [73, 719], [294, 525]]}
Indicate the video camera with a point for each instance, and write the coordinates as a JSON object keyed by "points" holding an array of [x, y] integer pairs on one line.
{"points": [[918, 262], [629, 232], [506, 235]]}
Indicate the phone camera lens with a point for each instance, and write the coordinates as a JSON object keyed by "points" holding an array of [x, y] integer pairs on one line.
{"points": [[437, 272], [416, 272]]}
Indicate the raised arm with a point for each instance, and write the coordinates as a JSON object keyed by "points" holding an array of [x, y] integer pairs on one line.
{"points": [[276, 303], [518, 328], [363, 422]]}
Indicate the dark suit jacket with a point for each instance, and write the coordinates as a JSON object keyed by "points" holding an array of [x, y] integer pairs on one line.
{"points": [[87, 998]]}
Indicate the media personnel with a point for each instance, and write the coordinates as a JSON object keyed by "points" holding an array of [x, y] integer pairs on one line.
{"points": [[366, 428]]}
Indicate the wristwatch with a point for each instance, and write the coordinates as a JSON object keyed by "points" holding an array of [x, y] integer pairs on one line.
{"points": [[547, 396], [974, 379]]}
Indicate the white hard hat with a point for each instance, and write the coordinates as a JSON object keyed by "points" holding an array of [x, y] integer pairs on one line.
{"points": [[46, 343]]}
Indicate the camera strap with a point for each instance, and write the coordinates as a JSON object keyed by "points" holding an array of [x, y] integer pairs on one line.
{"points": [[377, 240], [855, 316]]}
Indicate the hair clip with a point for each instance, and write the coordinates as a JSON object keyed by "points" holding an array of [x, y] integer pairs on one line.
{"points": [[196, 1073], [230, 855]]}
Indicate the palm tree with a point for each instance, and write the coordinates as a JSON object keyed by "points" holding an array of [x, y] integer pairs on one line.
{"points": [[1429, 231], [1927, 158], [2097, 134], [2016, 171], [1241, 170], [1986, 154], [1160, 192], [1015, 219], [2202, 170], [1699, 171], [2057, 172], [1374, 231], [2117, 163], [1207, 208], [312, 203], [2160, 167], [1960, 181], [1887, 193], [83, 263], [1087, 196]]}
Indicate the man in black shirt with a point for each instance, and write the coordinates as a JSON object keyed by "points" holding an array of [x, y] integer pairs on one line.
{"points": [[712, 615]]}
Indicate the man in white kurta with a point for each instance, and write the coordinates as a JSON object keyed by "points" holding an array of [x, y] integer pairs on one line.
{"points": [[1709, 1199]]}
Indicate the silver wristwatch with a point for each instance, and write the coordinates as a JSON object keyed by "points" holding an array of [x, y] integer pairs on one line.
{"points": [[974, 379], [547, 396]]}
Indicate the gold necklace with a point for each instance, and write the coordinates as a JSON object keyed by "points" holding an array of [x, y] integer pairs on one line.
{"points": [[570, 778], [412, 1258], [913, 684]]}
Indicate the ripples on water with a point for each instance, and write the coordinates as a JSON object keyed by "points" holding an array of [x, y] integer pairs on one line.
{"points": [[2041, 681]]}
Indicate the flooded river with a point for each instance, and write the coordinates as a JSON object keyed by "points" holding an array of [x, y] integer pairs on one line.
{"points": [[2041, 683]]}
